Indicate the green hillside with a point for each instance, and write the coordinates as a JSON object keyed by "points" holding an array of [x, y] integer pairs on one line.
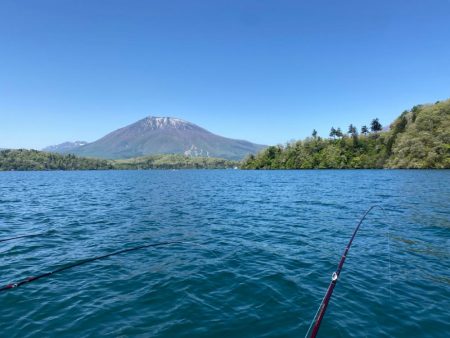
{"points": [[419, 138]]}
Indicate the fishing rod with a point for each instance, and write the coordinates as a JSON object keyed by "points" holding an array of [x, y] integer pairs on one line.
{"points": [[21, 236], [82, 262], [334, 278]]}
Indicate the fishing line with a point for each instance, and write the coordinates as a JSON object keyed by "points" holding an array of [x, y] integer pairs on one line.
{"points": [[315, 316], [389, 247], [315, 324], [82, 262], [389, 251]]}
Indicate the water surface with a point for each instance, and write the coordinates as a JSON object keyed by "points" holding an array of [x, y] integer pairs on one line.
{"points": [[259, 251]]}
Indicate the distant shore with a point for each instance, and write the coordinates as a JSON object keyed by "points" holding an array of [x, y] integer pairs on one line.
{"points": [[34, 160]]}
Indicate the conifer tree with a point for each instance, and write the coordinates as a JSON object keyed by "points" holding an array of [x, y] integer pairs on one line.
{"points": [[333, 132], [376, 126]]}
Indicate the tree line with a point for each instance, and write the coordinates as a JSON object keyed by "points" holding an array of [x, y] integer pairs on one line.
{"points": [[375, 126]]}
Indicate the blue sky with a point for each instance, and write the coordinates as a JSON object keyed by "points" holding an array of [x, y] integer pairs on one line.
{"points": [[265, 71]]}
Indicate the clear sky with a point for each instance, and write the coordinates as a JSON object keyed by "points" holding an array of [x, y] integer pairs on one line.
{"points": [[265, 71]]}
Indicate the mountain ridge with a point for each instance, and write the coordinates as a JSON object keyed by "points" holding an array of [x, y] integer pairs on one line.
{"points": [[64, 147], [155, 135]]}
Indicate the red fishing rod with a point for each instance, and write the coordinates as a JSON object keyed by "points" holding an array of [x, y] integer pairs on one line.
{"points": [[82, 262], [334, 278], [22, 236]]}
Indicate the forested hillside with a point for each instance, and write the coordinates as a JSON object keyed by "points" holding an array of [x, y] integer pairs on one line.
{"points": [[174, 161], [421, 138], [22, 159], [418, 138]]}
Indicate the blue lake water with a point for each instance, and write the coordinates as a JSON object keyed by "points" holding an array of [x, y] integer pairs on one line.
{"points": [[259, 251]]}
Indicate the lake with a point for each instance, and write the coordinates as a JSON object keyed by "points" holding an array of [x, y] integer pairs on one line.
{"points": [[258, 251]]}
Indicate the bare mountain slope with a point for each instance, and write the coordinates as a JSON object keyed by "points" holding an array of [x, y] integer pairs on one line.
{"points": [[166, 135]]}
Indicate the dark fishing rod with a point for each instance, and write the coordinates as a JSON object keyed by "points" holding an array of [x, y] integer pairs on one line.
{"points": [[82, 262], [334, 278], [21, 236]]}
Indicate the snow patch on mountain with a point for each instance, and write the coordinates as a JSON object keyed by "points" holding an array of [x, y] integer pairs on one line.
{"points": [[153, 122]]}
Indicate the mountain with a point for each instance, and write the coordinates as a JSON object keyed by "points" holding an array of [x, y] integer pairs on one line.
{"points": [[65, 147], [165, 135]]}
